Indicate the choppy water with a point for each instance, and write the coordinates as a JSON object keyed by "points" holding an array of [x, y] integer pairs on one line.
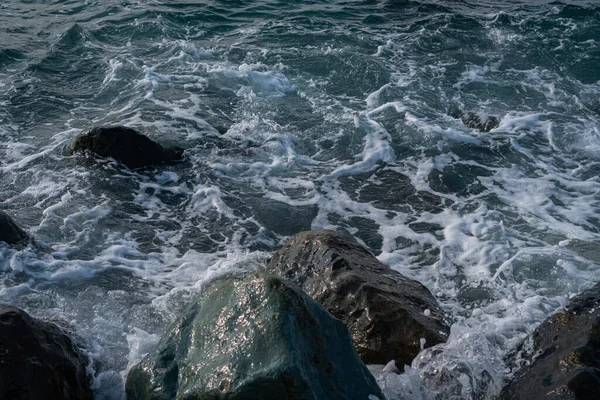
{"points": [[337, 114]]}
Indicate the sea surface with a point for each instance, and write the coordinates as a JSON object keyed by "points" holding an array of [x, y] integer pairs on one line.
{"points": [[345, 115]]}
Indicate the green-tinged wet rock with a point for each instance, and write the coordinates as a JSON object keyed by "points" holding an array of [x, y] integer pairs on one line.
{"points": [[565, 362], [253, 337]]}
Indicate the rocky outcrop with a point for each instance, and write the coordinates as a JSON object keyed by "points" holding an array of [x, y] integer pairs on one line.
{"points": [[565, 362], [38, 360], [387, 314], [253, 337], [10, 231], [125, 145]]}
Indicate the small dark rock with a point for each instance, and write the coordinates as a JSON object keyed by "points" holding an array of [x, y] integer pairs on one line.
{"points": [[39, 361], [125, 145], [384, 310], [10, 232], [221, 128], [565, 362], [253, 337], [220, 122], [482, 123]]}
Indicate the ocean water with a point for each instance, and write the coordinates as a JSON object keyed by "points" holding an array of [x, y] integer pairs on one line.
{"points": [[297, 115]]}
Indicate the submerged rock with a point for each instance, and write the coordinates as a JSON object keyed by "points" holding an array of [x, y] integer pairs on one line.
{"points": [[10, 231], [567, 355], [253, 337], [387, 314], [479, 121], [38, 360], [125, 145], [483, 123]]}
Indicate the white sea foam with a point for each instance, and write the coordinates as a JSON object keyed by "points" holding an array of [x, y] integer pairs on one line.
{"points": [[433, 130], [473, 73], [113, 68], [377, 149], [255, 79], [501, 226]]}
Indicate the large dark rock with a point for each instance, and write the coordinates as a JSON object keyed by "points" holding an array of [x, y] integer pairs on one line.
{"points": [[125, 145], [38, 361], [565, 362], [253, 337], [386, 313], [10, 232]]}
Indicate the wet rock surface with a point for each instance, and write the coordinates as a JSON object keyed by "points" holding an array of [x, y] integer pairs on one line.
{"points": [[253, 337], [38, 360], [565, 362], [479, 121], [10, 231], [387, 314], [482, 123], [125, 145]]}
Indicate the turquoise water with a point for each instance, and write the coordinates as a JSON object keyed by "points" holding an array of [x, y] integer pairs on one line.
{"points": [[298, 115]]}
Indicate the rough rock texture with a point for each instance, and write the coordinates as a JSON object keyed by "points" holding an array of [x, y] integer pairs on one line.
{"points": [[479, 121], [38, 361], [125, 145], [253, 337], [384, 311], [10, 232], [567, 349], [483, 123]]}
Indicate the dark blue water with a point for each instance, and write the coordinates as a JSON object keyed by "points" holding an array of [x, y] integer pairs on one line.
{"points": [[356, 116]]}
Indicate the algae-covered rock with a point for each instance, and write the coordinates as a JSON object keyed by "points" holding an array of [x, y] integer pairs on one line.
{"points": [[565, 362], [38, 360], [125, 145], [253, 337], [387, 314]]}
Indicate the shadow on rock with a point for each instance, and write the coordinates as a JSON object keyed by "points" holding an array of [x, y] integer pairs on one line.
{"points": [[38, 360]]}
